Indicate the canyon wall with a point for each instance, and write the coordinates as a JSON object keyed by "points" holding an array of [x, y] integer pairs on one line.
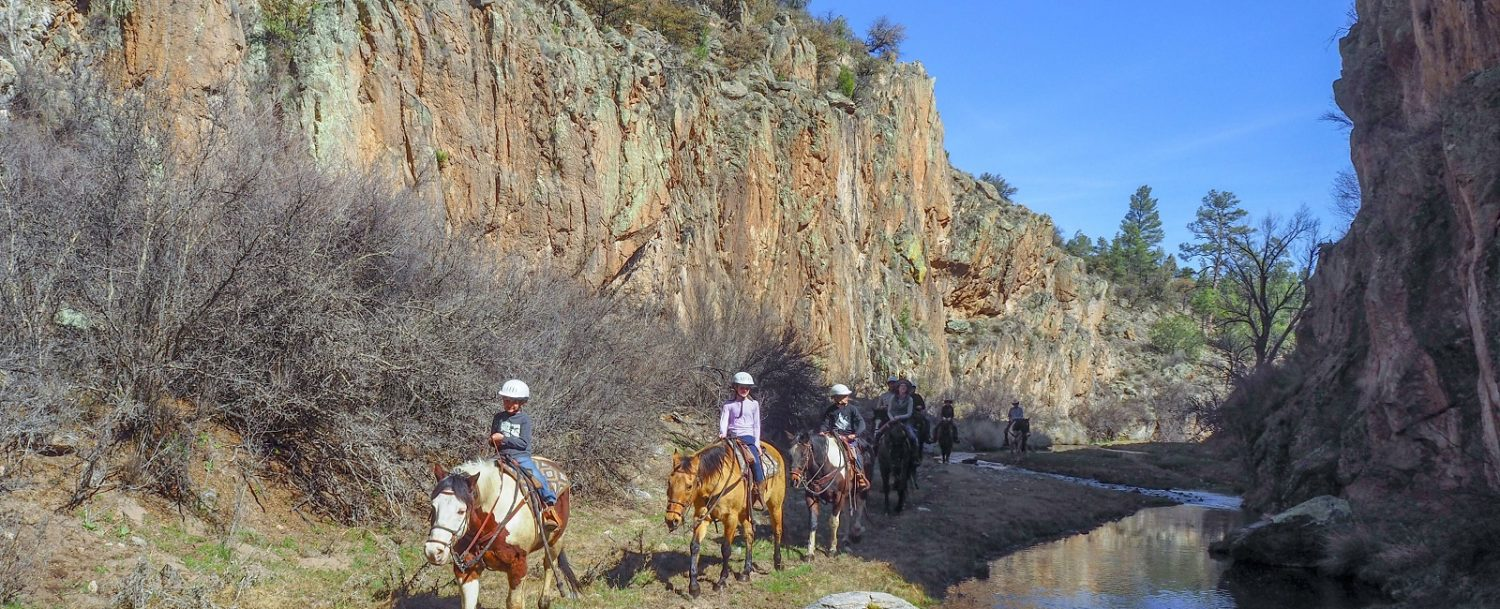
{"points": [[644, 170], [1393, 389]]}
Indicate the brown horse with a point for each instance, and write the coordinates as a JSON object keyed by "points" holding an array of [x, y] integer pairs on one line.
{"points": [[713, 484], [482, 519], [825, 473]]}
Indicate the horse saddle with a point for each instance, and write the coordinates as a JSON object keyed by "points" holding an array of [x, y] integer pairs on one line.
{"points": [[746, 459], [555, 477]]}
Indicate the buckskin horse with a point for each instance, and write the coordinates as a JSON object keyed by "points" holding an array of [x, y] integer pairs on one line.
{"points": [[824, 472], [483, 519], [714, 485], [898, 455], [947, 435]]}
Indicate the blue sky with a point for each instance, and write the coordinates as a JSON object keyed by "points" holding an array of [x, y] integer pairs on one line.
{"points": [[1079, 102]]}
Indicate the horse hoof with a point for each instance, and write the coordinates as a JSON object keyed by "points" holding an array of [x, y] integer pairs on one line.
{"points": [[694, 590], [743, 577], [718, 585], [808, 557]]}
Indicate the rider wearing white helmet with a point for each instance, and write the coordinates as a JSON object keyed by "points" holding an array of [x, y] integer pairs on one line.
{"points": [[739, 417], [845, 423], [510, 433]]}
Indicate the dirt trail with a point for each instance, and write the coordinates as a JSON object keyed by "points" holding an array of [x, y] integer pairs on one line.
{"points": [[957, 521]]}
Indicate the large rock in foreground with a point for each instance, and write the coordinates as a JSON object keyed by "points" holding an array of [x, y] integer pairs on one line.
{"points": [[860, 600], [1295, 538]]}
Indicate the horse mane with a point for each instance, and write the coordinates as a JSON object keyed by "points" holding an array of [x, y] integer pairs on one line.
{"points": [[711, 460], [489, 484]]}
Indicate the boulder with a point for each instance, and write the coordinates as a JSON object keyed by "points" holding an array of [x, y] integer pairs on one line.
{"points": [[1297, 537], [860, 600]]}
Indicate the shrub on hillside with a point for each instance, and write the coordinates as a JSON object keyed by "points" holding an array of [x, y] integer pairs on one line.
{"points": [[846, 82], [160, 277], [1177, 334]]}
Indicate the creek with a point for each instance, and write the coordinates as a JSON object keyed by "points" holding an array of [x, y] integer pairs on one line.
{"points": [[1155, 559]]}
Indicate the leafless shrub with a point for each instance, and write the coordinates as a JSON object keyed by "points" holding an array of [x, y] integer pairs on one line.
{"points": [[884, 38], [23, 553], [742, 336], [1347, 196], [147, 587]]}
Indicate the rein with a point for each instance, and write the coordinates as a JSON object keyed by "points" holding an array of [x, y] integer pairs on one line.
{"points": [[811, 481], [476, 557]]}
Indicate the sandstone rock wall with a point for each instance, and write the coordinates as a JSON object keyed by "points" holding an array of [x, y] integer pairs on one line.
{"points": [[1394, 387], [643, 171]]}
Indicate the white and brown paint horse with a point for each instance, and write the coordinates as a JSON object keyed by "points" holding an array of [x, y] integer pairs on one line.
{"points": [[483, 519], [825, 473]]}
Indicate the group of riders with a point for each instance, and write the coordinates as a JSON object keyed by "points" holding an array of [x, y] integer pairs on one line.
{"points": [[899, 410]]}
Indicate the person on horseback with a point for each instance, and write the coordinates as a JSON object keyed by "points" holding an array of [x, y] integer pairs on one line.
{"points": [[510, 434], [900, 409], [947, 412], [845, 423], [883, 403], [919, 415], [739, 418], [1017, 424]]}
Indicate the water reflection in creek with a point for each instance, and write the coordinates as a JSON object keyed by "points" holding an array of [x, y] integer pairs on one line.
{"points": [[1156, 559]]}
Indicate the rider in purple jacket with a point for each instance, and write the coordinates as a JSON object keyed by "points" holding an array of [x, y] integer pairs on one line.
{"points": [[740, 418]]}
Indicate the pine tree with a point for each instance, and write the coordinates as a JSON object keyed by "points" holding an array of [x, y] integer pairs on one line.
{"points": [[1137, 247], [1220, 220]]}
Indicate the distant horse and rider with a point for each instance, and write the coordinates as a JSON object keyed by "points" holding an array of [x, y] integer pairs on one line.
{"points": [[947, 431], [724, 481], [1017, 428]]}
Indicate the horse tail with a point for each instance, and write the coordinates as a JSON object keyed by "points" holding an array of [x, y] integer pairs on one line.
{"points": [[566, 568]]}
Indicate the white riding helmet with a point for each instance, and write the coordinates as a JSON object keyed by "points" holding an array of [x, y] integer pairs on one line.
{"points": [[744, 378], [893, 379], [840, 390], [515, 390]]}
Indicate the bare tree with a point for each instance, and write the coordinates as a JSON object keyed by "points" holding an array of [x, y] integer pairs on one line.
{"points": [[1268, 281], [1347, 196], [884, 38]]}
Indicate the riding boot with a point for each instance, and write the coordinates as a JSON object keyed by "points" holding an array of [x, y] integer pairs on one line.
{"points": [[758, 495], [550, 522]]}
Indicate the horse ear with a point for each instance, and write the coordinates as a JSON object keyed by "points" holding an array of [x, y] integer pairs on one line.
{"points": [[437, 472], [474, 480]]}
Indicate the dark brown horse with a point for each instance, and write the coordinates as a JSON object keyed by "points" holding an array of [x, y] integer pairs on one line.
{"points": [[823, 470], [713, 486], [947, 435], [483, 519], [899, 455]]}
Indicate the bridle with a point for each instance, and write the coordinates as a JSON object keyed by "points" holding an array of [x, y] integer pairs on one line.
{"points": [[816, 483], [474, 557], [454, 534], [681, 507]]}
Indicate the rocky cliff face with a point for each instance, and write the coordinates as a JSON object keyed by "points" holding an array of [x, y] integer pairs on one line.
{"points": [[644, 171], [1394, 387]]}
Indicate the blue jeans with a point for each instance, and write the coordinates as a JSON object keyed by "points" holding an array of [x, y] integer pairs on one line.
{"points": [[524, 460], [760, 473]]}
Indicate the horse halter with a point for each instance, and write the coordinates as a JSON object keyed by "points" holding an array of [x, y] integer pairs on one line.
{"points": [[812, 479], [454, 533]]}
